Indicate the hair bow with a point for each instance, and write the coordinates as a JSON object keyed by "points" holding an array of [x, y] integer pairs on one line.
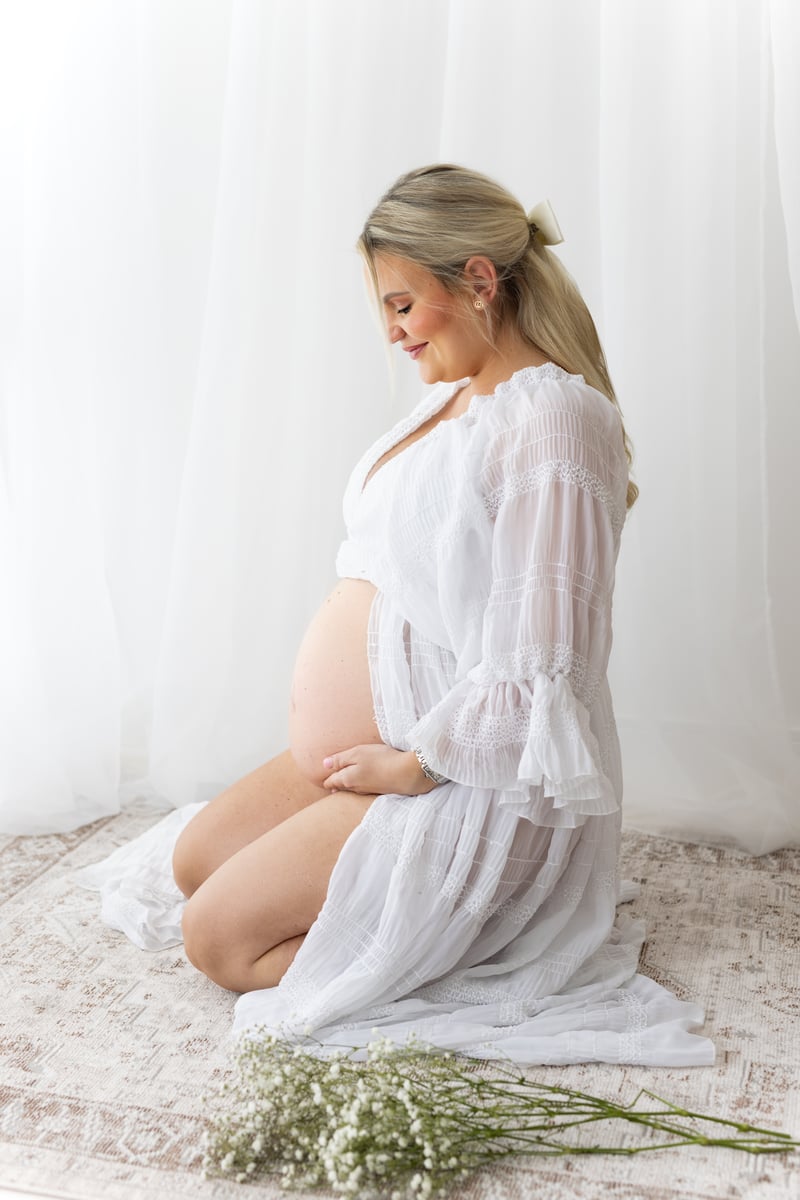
{"points": [[546, 228]]}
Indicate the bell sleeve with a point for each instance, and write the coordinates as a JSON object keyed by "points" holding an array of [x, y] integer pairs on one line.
{"points": [[554, 487]]}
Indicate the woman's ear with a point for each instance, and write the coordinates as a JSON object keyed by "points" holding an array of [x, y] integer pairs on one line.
{"points": [[481, 276]]}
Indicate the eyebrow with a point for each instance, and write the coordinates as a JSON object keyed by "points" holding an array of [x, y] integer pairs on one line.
{"points": [[391, 295]]}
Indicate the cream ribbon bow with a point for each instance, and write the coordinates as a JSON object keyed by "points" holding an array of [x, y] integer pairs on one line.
{"points": [[548, 230]]}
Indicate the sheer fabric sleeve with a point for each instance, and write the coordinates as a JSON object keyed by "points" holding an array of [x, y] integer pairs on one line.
{"points": [[554, 485]]}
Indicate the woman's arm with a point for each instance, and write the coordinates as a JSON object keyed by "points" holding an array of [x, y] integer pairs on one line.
{"points": [[555, 484]]}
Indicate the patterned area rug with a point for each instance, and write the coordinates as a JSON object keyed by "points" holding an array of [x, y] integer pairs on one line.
{"points": [[106, 1051]]}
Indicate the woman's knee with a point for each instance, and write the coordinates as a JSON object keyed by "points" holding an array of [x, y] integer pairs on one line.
{"points": [[187, 861], [212, 947], [271, 894], [205, 946]]}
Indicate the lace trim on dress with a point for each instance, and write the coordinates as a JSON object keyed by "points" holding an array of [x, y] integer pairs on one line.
{"points": [[549, 658], [533, 736], [556, 723], [405, 426], [461, 991], [485, 731], [526, 375], [560, 470], [631, 1037], [604, 883], [421, 550], [402, 720], [389, 836]]}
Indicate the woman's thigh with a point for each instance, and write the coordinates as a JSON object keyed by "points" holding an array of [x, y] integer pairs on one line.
{"points": [[249, 808], [268, 895]]}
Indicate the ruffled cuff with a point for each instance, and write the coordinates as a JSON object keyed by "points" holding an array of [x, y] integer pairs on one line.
{"points": [[529, 737], [561, 753]]}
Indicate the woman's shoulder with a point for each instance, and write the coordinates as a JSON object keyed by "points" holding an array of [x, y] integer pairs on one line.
{"points": [[545, 423], [549, 396], [546, 410]]}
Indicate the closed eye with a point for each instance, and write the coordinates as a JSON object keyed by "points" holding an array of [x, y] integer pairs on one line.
{"points": [[401, 312]]}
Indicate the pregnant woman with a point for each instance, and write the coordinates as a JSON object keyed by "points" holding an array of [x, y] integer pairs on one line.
{"points": [[437, 850]]}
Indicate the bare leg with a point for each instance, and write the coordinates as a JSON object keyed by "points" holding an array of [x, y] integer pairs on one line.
{"points": [[243, 812], [245, 923], [273, 965]]}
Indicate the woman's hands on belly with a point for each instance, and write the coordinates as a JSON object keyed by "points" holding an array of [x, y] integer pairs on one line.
{"points": [[331, 705], [376, 770]]}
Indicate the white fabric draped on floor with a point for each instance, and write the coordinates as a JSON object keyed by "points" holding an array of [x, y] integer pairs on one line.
{"points": [[189, 368]]}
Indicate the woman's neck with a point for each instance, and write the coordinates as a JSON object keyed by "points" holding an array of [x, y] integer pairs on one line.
{"points": [[499, 365]]}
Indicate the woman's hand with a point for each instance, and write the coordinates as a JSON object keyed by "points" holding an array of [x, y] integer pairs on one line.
{"points": [[376, 770]]}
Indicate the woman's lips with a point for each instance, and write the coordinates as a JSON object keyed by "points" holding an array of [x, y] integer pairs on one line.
{"points": [[415, 351]]}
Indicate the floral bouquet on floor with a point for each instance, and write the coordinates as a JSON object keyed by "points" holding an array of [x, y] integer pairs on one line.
{"points": [[412, 1120]]}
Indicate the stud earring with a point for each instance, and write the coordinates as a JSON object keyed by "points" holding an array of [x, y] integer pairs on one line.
{"points": [[478, 303]]}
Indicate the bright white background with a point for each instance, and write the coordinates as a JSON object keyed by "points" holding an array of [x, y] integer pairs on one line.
{"points": [[188, 368]]}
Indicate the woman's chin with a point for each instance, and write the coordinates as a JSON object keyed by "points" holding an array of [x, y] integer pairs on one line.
{"points": [[436, 373], [430, 373]]}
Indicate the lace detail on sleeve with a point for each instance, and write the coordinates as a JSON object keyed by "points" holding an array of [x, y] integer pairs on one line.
{"points": [[563, 471], [477, 729], [487, 731], [532, 738], [552, 659]]}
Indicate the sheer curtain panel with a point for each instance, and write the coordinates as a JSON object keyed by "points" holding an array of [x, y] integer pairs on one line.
{"points": [[189, 369]]}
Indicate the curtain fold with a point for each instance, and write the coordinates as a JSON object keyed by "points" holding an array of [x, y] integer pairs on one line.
{"points": [[189, 367]]}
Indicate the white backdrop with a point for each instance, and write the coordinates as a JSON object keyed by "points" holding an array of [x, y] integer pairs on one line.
{"points": [[189, 369]]}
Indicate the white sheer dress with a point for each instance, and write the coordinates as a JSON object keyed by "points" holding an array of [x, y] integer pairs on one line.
{"points": [[481, 916]]}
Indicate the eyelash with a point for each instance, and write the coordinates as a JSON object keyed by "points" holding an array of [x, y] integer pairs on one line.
{"points": [[401, 312]]}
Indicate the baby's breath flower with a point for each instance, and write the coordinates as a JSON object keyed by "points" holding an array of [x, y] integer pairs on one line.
{"points": [[410, 1121]]}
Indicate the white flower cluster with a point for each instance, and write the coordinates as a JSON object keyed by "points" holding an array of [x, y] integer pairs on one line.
{"points": [[360, 1128], [411, 1120]]}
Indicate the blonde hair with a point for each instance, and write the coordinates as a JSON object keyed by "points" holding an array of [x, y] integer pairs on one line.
{"points": [[439, 216]]}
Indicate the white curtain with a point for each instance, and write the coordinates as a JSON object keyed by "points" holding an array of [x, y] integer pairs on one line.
{"points": [[189, 368]]}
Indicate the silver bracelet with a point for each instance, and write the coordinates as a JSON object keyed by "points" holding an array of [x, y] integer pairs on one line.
{"points": [[429, 771]]}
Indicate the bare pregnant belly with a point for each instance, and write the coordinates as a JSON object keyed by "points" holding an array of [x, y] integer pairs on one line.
{"points": [[331, 703]]}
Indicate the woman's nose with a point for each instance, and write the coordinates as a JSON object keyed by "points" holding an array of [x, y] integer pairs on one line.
{"points": [[395, 333]]}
